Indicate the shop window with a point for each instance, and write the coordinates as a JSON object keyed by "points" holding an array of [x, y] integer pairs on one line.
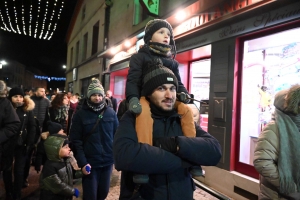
{"points": [[269, 64], [199, 86], [95, 38], [84, 47]]}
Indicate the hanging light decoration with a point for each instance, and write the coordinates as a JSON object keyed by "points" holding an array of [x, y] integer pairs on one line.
{"points": [[36, 18]]}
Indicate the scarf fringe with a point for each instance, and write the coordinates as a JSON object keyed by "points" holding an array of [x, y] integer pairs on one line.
{"points": [[286, 186]]}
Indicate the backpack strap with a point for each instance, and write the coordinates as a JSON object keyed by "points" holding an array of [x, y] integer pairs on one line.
{"points": [[100, 116]]}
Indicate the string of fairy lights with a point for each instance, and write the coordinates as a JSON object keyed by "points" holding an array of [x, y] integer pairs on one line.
{"points": [[36, 18]]}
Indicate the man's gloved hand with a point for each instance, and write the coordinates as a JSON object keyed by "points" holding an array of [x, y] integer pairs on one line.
{"points": [[183, 97], [166, 143], [88, 169], [134, 105], [76, 192]]}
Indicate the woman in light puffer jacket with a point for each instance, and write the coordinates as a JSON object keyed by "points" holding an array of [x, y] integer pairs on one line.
{"points": [[277, 154]]}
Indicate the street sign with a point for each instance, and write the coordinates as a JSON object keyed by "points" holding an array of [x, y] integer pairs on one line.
{"points": [[151, 5]]}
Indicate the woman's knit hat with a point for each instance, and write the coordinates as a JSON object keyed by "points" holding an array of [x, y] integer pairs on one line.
{"points": [[3, 89], [95, 87], [157, 75], [15, 91], [153, 25]]}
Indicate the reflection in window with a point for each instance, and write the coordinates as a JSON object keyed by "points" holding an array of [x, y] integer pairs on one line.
{"points": [[270, 64]]}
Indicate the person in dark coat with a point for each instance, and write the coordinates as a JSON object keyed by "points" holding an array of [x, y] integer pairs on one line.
{"points": [[91, 133], [56, 180], [9, 126], [40, 110], [41, 105], [159, 47], [23, 106], [112, 99], [163, 48], [168, 159], [58, 111]]}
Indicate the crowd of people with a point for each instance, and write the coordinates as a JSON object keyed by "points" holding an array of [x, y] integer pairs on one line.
{"points": [[151, 137]]}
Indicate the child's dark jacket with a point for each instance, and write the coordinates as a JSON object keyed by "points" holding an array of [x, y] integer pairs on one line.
{"points": [[138, 67], [56, 180]]}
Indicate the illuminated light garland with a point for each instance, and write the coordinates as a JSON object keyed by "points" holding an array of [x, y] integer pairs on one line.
{"points": [[5, 27], [58, 17], [16, 17], [9, 20], [29, 19], [23, 20], [50, 78]]}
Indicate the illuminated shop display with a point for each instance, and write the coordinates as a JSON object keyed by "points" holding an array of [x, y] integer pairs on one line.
{"points": [[270, 64]]}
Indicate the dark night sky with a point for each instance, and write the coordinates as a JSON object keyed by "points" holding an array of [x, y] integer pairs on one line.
{"points": [[47, 55]]}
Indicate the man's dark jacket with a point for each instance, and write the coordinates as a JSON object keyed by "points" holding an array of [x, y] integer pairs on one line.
{"points": [[97, 150], [41, 108], [168, 177]]}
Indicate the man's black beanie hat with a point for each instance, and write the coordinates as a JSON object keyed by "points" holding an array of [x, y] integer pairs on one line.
{"points": [[157, 75]]}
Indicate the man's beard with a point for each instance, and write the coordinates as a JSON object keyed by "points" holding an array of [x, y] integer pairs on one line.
{"points": [[159, 110]]}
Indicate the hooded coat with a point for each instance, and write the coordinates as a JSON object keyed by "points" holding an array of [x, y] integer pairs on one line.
{"points": [[272, 155], [28, 125], [56, 180]]}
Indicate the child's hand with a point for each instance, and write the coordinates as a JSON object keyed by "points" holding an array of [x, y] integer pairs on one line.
{"points": [[76, 192], [135, 106]]}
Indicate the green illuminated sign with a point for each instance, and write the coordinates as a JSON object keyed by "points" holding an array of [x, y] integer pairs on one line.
{"points": [[152, 6]]}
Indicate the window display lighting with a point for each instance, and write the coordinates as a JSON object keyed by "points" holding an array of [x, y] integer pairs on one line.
{"points": [[29, 17]]}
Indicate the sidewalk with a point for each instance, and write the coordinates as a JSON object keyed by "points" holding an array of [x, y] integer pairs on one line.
{"points": [[32, 192]]}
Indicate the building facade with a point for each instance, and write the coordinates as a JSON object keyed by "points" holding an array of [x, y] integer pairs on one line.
{"points": [[16, 74], [233, 54]]}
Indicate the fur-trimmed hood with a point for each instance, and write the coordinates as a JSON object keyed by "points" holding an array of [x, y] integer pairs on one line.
{"points": [[28, 104]]}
